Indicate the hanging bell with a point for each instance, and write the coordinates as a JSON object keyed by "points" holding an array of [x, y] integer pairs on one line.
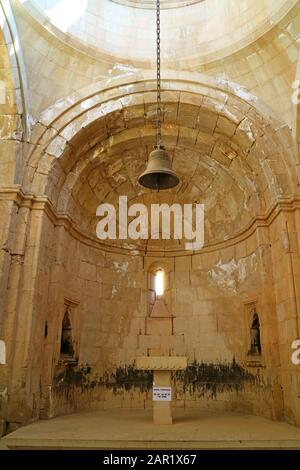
{"points": [[159, 174]]}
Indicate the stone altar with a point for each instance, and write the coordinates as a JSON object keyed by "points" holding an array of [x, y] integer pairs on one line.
{"points": [[162, 368]]}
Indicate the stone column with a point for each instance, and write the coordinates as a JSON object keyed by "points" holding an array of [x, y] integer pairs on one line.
{"points": [[55, 303], [162, 411], [25, 361], [11, 236], [269, 323], [286, 271]]}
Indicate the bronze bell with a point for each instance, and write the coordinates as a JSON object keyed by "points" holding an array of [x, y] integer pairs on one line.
{"points": [[159, 174]]}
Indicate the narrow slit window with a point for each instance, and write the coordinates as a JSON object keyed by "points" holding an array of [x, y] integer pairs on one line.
{"points": [[159, 283]]}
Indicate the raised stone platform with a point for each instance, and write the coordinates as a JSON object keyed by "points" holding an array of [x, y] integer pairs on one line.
{"points": [[133, 429]]}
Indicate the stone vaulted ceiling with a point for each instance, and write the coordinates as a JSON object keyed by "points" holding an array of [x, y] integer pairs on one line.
{"points": [[192, 31], [224, 151], [223, 142]]}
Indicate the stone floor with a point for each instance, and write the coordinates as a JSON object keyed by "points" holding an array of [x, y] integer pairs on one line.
{"points": [[132, 429]]}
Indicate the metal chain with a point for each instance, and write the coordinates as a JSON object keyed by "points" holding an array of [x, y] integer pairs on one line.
{"points": [[159, 111]]}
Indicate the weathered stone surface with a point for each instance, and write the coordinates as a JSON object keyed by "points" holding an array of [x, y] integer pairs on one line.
{"points": [[77, 132]]}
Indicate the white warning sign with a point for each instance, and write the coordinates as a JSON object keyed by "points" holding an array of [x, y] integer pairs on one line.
{"points": [[162, 394]]}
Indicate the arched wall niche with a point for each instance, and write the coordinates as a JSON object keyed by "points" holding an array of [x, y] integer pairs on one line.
{"points": [[85, 133], [213, 131], [255, 335]]}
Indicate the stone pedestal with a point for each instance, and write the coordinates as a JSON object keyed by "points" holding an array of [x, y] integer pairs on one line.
{"points": [[162, 368], [162, 410]]}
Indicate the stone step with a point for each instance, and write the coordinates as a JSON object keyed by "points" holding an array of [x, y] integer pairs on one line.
{"points": [[133, 429]]}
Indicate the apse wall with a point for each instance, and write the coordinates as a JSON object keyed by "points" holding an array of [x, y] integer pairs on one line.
{"points": [[56, 280], [210, 300]]}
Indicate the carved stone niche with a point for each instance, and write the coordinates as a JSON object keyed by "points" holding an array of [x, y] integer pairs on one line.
{"points": [[69, 333], [253, 337]]}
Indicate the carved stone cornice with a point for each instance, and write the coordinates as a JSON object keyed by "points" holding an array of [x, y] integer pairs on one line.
{"points": [[43, 203]]}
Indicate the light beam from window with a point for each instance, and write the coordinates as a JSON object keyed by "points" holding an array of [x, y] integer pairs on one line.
{"points": [[159, 284]]}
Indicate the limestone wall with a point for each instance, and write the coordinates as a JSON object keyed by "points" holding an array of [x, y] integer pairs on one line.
{"points": [[284, 237], [265, 64], [231, 151], [210, 300]]}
